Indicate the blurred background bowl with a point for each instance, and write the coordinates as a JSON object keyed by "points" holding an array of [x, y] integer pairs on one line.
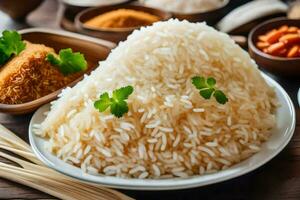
{"points": [[112, 34], [294, 10], [211, 17], [73, 7], [241, 20], [244, 29], [274, 64], [17, 9]]}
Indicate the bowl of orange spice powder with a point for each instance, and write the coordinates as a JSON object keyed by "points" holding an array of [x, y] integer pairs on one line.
{"points": [[116, 22], [275, 46]]}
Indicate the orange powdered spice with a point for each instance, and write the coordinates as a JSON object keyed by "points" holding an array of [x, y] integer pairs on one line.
{"points": [[122, 18]]}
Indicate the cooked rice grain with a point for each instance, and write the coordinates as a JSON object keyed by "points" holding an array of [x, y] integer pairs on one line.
{"points": [[171, 130]]}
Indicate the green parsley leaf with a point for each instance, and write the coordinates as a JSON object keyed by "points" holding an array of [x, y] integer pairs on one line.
{"points": [[199, 82], [103, 103], [68, 62], [207, 89], [122, 93], [119, 108], [10, 44], [118, 105], [3, 57], [211, 82], [53, 60], [207, 92], [220, 97]]}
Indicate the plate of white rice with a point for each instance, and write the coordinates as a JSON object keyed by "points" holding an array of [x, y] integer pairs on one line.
{"points": [[171, 137]]}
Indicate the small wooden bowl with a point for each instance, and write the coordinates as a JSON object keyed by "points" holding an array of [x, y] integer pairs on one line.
{"points": [[210, 17], [93, 49], [274, 64], [112, 34], [72, 8]]}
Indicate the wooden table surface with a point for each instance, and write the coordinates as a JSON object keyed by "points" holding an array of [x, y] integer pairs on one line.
{"points": [[279, 179]]}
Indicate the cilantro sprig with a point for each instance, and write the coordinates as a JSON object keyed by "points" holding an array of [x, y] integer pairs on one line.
{"points": [[207, 89], [117, 103], [68, 62], [10, 44]]}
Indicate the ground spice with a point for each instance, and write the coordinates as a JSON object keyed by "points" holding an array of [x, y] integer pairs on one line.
{"points": [[122, 18]]}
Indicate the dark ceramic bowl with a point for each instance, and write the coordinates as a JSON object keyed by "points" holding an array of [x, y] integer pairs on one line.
{"points": [[273, 64], [210, 17], [17, 10], [93, 49], [112, 34]]}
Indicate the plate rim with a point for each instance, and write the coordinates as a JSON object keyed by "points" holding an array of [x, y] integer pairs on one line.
{"points": [[299, 97], [171, 184]]}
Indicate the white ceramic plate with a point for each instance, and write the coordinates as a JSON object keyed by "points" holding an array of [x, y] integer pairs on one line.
{"points": [[281, 135], [299, 96]]}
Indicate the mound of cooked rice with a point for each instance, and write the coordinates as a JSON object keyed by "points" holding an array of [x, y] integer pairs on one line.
{"points": [[170, 130]]}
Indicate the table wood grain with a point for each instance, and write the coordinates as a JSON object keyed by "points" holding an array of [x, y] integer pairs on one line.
{"points": [[279, 179]]}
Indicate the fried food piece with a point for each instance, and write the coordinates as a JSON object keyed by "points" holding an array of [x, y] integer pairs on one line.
{"points": [[29, 76]]}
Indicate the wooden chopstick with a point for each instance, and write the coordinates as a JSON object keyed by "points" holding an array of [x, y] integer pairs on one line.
{"points": [[79, 192], [24, 154], [10, 137], [38, 176]]}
